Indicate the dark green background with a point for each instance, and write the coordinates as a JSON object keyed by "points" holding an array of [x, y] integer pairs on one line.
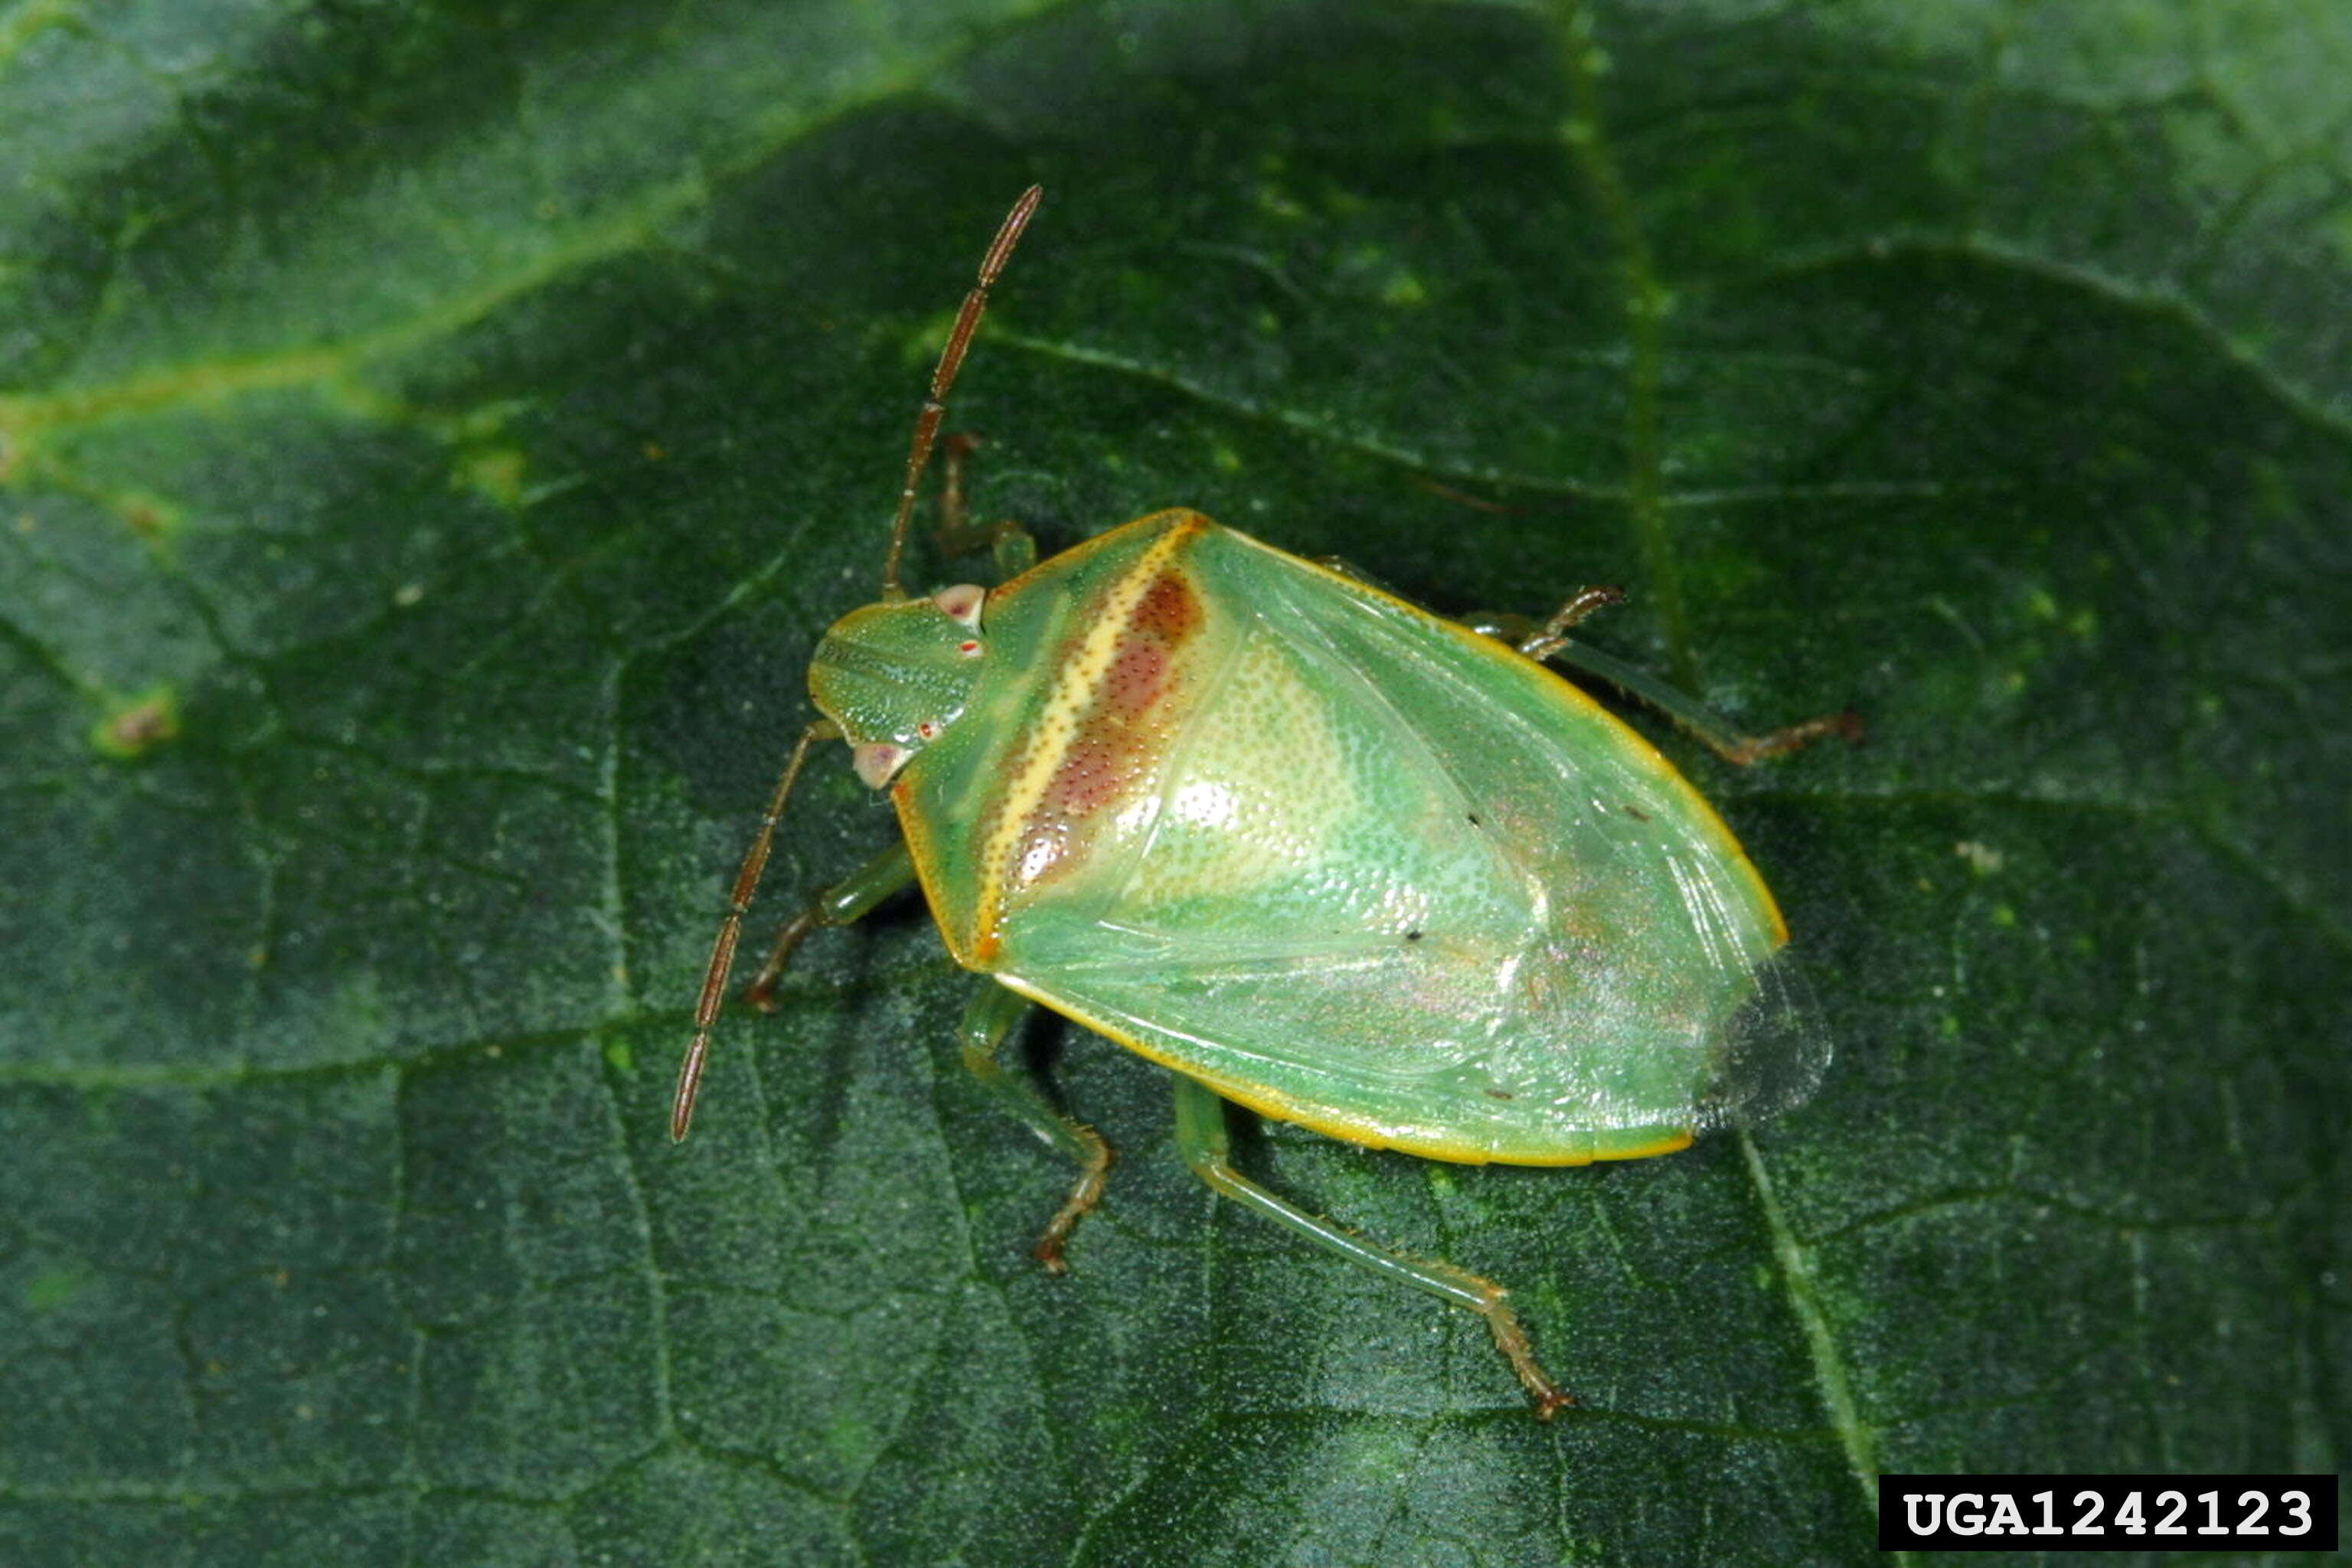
{"points": [[434, 435]]}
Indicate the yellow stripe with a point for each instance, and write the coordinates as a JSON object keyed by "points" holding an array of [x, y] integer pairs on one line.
{"points": [[1055, 729]]}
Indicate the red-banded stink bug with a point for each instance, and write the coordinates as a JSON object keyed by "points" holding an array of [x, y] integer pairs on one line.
{"points": [[1320, 851]]}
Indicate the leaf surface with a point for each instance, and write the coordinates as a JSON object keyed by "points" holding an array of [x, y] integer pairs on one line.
{"points": [[435, 436]]}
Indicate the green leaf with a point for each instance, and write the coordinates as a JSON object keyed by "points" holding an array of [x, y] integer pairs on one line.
{"points": [[434, 435]]}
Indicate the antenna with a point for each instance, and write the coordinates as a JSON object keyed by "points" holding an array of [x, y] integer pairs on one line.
{"points": [[730, 932], [935, 406], [746, 879]]}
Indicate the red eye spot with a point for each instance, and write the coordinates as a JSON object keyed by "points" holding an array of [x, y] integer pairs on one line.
{"points": [[961, 603], [967, 648], [926, 729]]}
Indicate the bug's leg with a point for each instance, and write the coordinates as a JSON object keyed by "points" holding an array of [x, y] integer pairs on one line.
{"points": [[1010, 544], [1201, 1136], [1552, 636], [988, 1022], [1550, 641], [1015, 550], [850, 898], [1721, 736], [1541, 640]]}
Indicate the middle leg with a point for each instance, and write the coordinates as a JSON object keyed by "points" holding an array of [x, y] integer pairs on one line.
{"points": [[988, 1022]]}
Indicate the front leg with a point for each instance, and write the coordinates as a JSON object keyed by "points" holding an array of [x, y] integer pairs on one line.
{"points": [[1010, 544], [850, 898]]}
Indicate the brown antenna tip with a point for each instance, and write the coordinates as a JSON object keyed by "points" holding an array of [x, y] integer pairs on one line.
{"points": [[935, 405]]}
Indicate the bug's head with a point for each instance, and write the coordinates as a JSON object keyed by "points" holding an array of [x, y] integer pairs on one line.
{"points": [[894, 675]]}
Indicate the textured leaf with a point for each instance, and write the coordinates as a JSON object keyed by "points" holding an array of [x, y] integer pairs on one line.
{"points": [[435, 434]]}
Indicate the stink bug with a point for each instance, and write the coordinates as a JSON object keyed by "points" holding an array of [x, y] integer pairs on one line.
{"points": [[1317, 849]]}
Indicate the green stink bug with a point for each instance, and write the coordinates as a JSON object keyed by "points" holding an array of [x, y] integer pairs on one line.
{"points": [[1317, 849]]}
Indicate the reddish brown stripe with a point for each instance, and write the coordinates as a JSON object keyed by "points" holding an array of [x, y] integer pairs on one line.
{"points": [[1052, 797], [1170, 611], [1122, 732]]}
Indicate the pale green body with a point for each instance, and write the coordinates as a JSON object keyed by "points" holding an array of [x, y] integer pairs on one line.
{"points": [[1320, 851], [1344, 862]]}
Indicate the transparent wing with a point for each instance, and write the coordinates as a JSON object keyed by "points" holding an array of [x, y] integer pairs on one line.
{"points": [[1772, 1054]]}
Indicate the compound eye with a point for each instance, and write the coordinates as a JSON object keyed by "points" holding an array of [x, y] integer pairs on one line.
{"points": [[877, 762], [962, 603]]}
